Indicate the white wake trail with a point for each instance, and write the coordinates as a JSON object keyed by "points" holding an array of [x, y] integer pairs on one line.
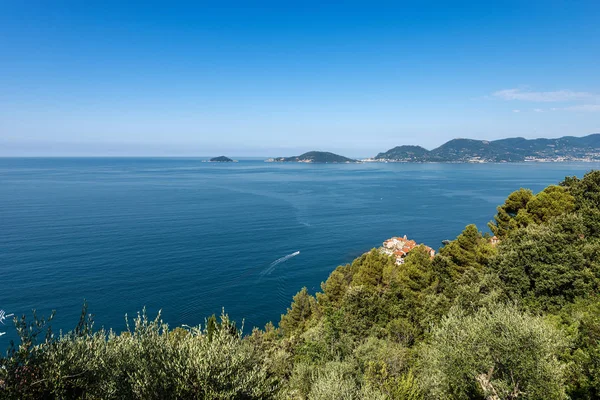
{"points": [[275, 263]]}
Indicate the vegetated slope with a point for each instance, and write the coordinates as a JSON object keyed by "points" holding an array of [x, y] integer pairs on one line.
{"points": [[460, 149], [406, 153]]}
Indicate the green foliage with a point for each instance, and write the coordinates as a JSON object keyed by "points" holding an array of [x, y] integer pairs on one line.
{"points": [[415, 275], [393, 357], [470, 250], [506, 219], [335, 381], [402, 330], [297, 317], [335, 287], [522, 208], [371, 267], [551, 202], [405, 387], [211, 326], [496, 353], [20, 372], [581, 322], [362, 308], [475, 289], [550, 265], [586, 191], [148, 362]]}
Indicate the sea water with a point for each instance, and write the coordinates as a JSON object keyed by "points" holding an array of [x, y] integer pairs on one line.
{"points": [[192, 238]]}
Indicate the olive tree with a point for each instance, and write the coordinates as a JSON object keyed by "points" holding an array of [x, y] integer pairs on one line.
{"points": [[496, 353]]}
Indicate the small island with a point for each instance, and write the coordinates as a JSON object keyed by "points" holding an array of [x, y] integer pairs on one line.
{"points": [[321, 157], [221, 159]]}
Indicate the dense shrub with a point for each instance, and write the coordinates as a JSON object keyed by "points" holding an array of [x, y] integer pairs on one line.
{"points": [[147, 362], [498, 353]]}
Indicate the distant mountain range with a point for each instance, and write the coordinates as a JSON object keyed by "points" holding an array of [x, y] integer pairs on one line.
{"points": [[315, 157], [566, 148]]}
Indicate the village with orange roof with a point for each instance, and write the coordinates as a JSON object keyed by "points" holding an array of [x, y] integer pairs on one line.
{"points": [[399, 247]]}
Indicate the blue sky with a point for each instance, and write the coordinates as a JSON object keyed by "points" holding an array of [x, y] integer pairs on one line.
{"points": [[274, 78]]}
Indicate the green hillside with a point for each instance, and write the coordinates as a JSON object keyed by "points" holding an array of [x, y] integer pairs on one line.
{"points": [[405, 153]]}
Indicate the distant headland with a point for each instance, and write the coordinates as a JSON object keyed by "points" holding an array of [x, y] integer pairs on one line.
{"points": [[321, 157], [567, 148]]}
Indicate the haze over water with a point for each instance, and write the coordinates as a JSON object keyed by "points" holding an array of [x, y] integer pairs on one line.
{"points": [[190, 237]]}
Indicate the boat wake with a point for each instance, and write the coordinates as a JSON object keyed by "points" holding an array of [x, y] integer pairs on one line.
{"points": [[275, 263]]}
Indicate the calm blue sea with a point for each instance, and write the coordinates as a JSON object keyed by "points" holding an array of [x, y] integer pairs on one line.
{"points": [[190, 238]]}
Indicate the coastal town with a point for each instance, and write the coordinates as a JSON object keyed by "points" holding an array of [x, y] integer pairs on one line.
{"points": [[399, 247]]}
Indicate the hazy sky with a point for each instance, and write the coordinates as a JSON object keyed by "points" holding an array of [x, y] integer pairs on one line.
{"points": [[274, 79]]}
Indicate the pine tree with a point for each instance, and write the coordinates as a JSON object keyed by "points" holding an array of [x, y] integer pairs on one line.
{"points": [[298, 315]]}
